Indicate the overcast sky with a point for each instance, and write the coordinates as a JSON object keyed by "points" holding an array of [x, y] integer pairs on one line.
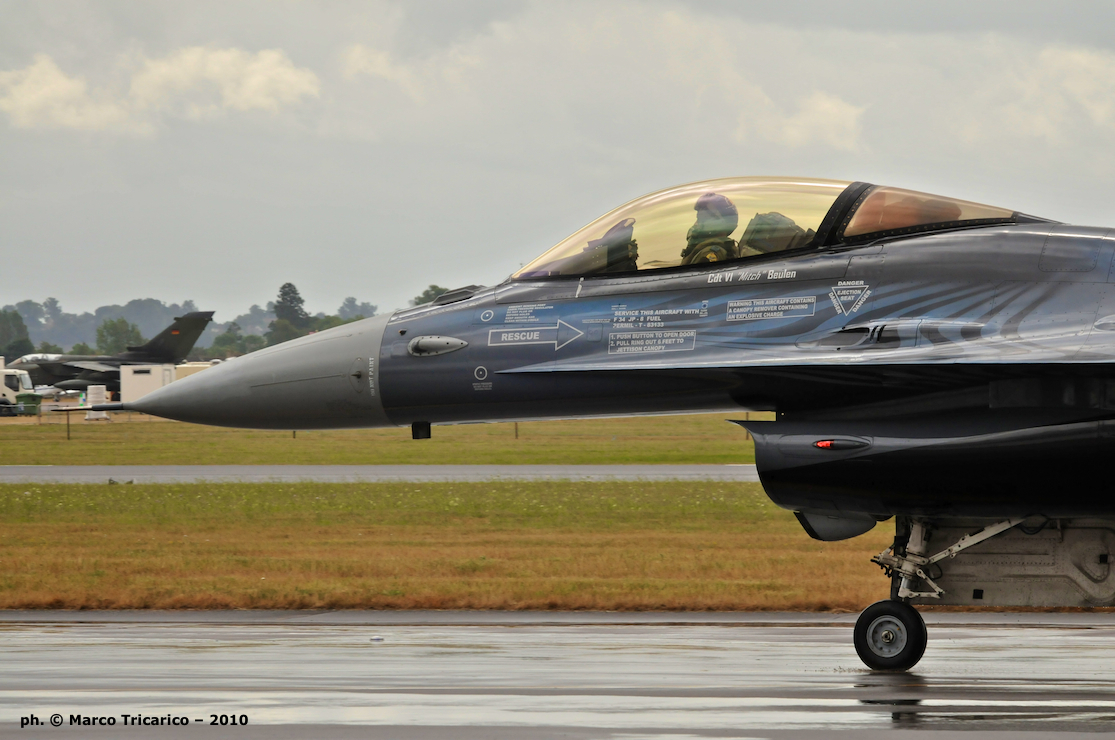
{"points": [[214, 150]]}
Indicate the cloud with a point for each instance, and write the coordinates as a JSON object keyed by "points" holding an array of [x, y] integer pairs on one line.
{"points": [[415, 79], [42, 96], [266, 80], [616, 75], [1078, 78], [360, 60], [194, 82], [628, 78], [1009, 95], [821, 118]]}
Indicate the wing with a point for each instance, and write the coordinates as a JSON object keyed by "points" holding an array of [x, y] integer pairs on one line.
{"points": [[97, 367]]}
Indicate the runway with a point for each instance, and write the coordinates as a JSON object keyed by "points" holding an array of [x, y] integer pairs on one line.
{"points": [[365, 473], [499, 675]]}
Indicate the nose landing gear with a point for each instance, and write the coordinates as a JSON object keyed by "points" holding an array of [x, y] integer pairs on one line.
{"points": [[891, 635]]}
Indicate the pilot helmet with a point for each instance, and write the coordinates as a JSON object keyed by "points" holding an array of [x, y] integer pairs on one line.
{"points": [[716, 216]]}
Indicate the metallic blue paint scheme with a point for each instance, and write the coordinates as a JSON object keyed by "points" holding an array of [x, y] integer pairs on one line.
{"points": [[957, 355]]}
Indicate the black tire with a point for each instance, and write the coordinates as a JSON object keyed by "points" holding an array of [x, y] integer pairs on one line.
{"points": [[890, 636]]}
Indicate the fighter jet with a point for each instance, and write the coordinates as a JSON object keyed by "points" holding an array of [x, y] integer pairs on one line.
{"points": [[945, 364], [78, 372]]}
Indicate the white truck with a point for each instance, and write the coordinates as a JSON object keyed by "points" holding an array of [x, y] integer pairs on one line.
{"points": [[15, 383]]}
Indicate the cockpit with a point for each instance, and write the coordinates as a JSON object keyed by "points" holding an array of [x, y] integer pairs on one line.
{"points": [[39, 357], [749, 217]]}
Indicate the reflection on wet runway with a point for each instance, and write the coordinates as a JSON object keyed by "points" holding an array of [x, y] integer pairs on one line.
{"points": [[546, 680]]}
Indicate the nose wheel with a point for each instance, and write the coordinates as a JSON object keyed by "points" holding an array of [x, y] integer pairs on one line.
{"points": [[890, 635]]}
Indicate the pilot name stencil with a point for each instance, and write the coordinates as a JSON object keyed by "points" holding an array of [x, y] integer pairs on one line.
{"points": [[785, 307], [621, 343], [848, 295], [747, 276]]}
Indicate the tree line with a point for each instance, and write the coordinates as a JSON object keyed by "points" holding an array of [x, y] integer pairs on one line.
{"points": [[28, 326]]}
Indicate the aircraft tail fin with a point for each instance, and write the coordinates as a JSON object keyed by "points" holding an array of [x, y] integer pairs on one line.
{"points": [[173, 343]]}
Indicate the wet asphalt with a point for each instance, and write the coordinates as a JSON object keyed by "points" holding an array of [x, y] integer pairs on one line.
{"points": [[501, 675]]}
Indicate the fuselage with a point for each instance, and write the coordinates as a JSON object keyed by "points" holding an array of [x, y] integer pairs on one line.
{"points": [[910, 343]]}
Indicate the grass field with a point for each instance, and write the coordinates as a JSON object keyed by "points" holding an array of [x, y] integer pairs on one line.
{"points": [[508, 545], [704, 438]]}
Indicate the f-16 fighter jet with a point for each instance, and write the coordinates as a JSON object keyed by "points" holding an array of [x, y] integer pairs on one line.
{"points": [[943, 364], [78, 372]]}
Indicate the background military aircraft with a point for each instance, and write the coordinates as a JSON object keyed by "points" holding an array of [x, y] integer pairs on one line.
{"points": [[941, 362], [78, 372]]}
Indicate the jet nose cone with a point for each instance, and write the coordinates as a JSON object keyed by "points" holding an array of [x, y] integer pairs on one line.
{"points": [[322, 381]]}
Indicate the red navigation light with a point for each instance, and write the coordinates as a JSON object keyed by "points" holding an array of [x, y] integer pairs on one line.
{"points": [[839, 444]]}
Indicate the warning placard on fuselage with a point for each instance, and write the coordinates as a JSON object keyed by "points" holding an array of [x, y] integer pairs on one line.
{"points": [[783, 307], [620, 343], [528, 313]]}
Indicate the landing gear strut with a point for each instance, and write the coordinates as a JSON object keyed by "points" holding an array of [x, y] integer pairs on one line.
{"points": [[891, 635]]}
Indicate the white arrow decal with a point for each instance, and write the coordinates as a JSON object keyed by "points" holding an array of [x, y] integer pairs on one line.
{"points": [[559, 335]]}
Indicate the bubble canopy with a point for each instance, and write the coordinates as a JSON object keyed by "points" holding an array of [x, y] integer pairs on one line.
{"points": [[747, 217]]}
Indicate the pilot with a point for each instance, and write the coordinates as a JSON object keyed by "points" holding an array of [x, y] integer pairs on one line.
{"points": [[709, 238]]}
